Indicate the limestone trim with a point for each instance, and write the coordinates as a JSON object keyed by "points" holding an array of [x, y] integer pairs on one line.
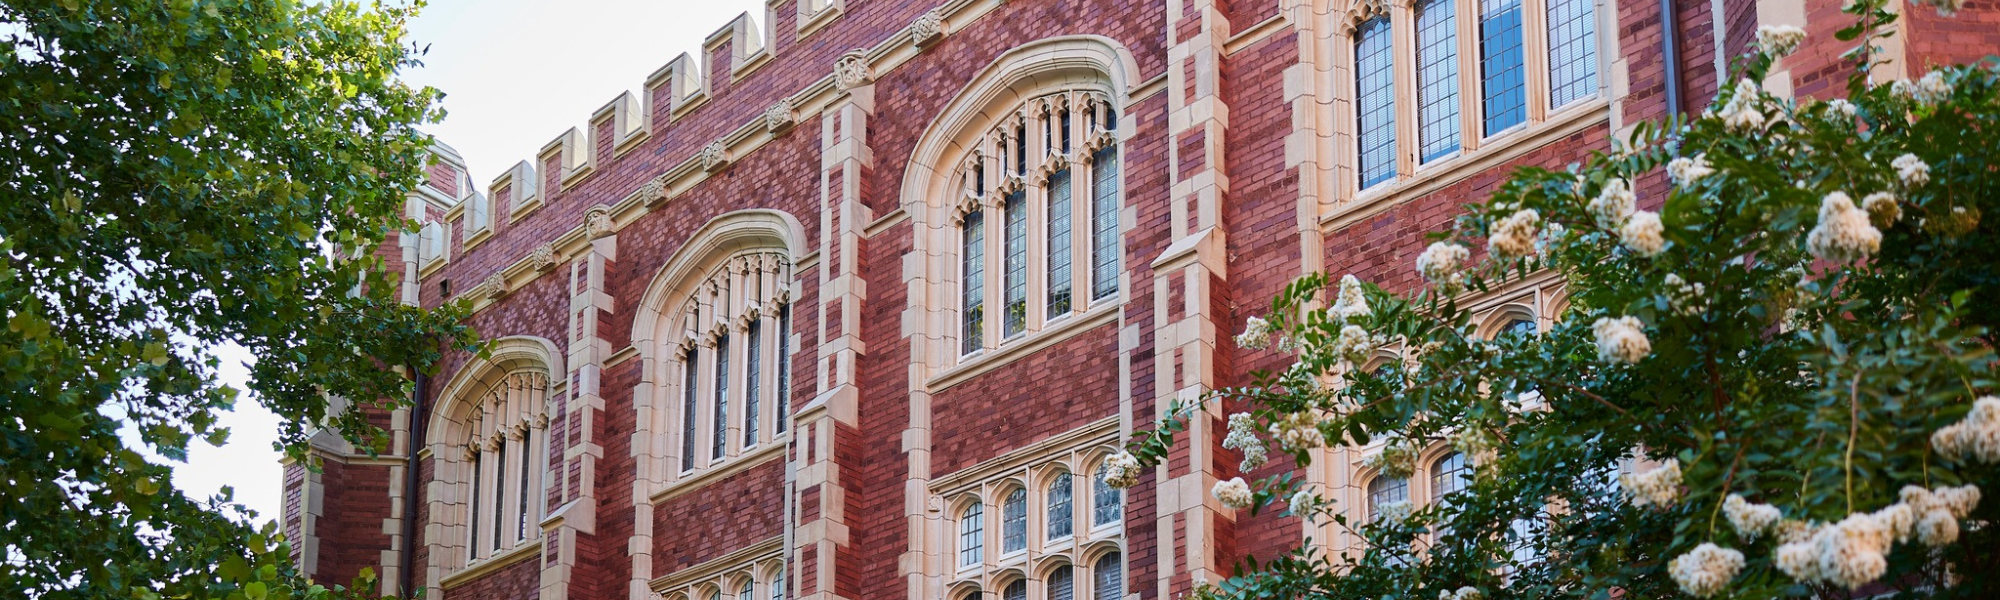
{"points": [[758, 563], [488, 450], [488, 566], [758, 456], [1032, 471], [1257, 33]]}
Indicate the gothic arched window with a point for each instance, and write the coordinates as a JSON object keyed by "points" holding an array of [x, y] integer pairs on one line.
{"points": [[734, 330]]}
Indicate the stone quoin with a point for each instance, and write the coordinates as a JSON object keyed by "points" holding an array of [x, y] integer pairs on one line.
{"points": [[856, 303]]}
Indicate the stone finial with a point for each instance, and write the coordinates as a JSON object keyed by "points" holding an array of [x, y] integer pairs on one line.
{"points": [[779, 117], [543, 258], [852, 70], [494, 287], [927, 28], [597, 222], [653, 192], [714, 156]]}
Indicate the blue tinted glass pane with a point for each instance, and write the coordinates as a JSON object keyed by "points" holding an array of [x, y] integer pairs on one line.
{"points": [[972, 278], [1572, 51], [1375, 102], [1502, 73], [1437, 78]]}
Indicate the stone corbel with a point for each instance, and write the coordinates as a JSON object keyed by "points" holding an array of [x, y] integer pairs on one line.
{"points": [[654, 192], [927, 29], [543, 258], [597, 222], [852, 70], [494, 287], [713, 157], [780, 117]]}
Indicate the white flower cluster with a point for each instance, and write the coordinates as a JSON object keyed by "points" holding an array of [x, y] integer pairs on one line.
{"points": [[1256, 334], [1121, 470], [1304, 503], [1644, 234], [1750, 520], [1397, 460], [1234, 493], [1882, 209], [1911, 170], [1441, 262], [1742, 112], [1463, 593], [1686, 298], [1842, 107], [1931, 89], [1351, 303], [1621, 339], [1514, 235], [1472, 440], [1243, 437], [1855, 551], [1843, 233], [1687, 169], [1355, 344], [1779, 40], [1977, 436], [1392, 512], [1658, 487], [1297, 431], [1704, 571], [1613, 204]]}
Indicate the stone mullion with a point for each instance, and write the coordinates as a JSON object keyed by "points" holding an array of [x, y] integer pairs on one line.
{"points": [[506, 486], [1403, 58], [738, 296], [1535, 52], [1189, 520], [1471, 84], [1036, 197]]}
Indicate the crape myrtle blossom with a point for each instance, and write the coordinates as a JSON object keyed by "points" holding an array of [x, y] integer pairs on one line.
{"points": [[1644, 234], [1686, 298], [1882, 209], [1843, 233], [1779, 40], [1234, 493], [1256, 334], [1243, 437], [1350, 303], [1463, 593], [1613, 204], [1514, 236], [1688, 169], [1704, 571], [1121, 470], [1741, 112], [1750, 520], [1977, 436], [1441, 262], [1656, 488], [1621, 339], [1911, 170]]}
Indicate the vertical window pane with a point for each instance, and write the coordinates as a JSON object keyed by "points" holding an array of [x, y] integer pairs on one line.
{"points": [[1014, 522], [687, 410], [474, 515], [1059, 239], [1109, 574], [1104, 223], [1021, 148], [1107, 503], [972, 278], [745, 593], [499, 489], [1572, 51], [1059, 507], [751, 384], [1437, 78], [1018, 590], [1375, 102], [721, 435], [971, 527], [1449, 475], [1015, 210], [778, 584], [783, 415], [1502, 70], [1062, 584], [527, 463]]}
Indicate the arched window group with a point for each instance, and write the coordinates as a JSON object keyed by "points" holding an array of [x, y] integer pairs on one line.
{"points": [[1037, 522], [1038, 222], [760, 579], [734, 383], [503, 454]]}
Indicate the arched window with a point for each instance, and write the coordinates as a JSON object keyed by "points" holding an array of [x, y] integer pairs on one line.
{"points": [[1107, 503], [1384, 491], [1449, 475], [1108, 573], [488, 439], [729, 327], [1014, 522], [1026, 170], [778, 584], [1375, 110], [1018, 590], [747, 591], [1060, 524], [1062, 584], [971, 530], [1437, 79]]}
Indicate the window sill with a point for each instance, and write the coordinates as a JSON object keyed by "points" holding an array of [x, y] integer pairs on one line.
{"points": [[482, 567], [1498, 152], [988, 359], [689, 481]]}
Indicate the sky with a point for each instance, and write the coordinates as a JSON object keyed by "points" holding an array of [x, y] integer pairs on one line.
{"points": [[515, 74]]}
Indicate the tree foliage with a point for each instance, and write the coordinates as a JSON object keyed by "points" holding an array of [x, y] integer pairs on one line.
{"points": [[177, 176], [1743, 398]]}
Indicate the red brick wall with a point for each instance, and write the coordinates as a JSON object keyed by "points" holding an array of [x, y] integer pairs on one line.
{"points": [[518, 581], [356, 502], [729, 514], [1969, 36]]}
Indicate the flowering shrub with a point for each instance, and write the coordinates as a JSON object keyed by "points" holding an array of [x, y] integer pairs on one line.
{"points": [[1798, 388]]}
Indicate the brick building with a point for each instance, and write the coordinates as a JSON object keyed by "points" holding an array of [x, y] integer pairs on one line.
{"points": [[854, 304]]}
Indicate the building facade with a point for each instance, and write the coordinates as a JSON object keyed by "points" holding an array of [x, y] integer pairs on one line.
{"points": [[855, 304]]}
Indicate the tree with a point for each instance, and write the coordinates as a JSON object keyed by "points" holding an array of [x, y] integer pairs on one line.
{"points": [[1795, 355], [180, 175]]}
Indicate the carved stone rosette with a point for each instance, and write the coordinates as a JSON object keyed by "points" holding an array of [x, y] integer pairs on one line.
{"points": [[779, 117], [653, 192], [928, 28], [494, 287], [543, 258]]}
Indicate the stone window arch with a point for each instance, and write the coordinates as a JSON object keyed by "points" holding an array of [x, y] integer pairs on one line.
{"points": [[979, 526], [488, 441]]}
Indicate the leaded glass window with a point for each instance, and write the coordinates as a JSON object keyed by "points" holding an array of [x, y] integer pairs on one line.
{"points": [[753, 377], [1503, 72], [721, 397], [1386, 490], [1109, 575], [1375, 85], [1107, 503], [1450, 475], [971, 527], [1572, 51], [1015, 211], [1062, 583], [782, 416], [973, 279], [1059, 237], [1014, 522], [691, 391], [1104, 223], [1018, 590], [1059, 507], [1437, 78]]}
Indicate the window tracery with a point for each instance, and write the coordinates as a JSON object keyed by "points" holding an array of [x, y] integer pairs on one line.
{"points": [[731, 356]]}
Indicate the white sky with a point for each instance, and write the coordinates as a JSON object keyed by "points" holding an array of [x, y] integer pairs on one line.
{"points": [[515, 73]]}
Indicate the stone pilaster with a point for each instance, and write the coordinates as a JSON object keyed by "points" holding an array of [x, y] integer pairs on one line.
{"points": [[573, 483]]}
